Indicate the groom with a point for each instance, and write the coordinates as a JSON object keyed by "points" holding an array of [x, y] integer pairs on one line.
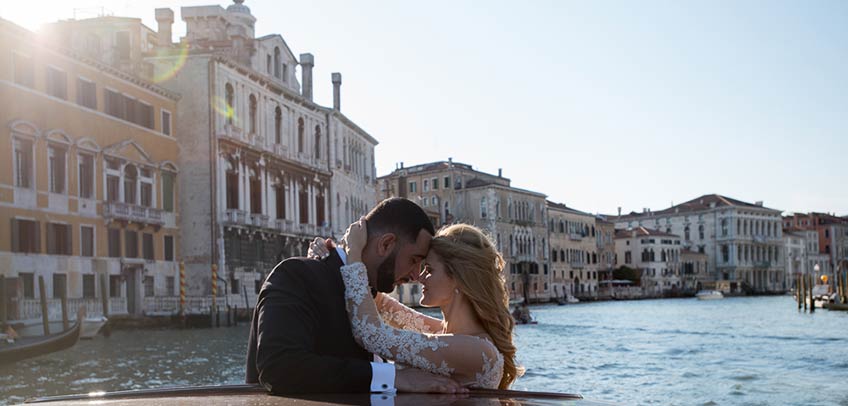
{"points": [[300, 337]]}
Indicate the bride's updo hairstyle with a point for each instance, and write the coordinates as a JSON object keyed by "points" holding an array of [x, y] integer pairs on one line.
{"points": [[472, 260]]}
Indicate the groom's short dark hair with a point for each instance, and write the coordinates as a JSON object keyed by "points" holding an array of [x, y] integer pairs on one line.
{"points": [[399, 216]]}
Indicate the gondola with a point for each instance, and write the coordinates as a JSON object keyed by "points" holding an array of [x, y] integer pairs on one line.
{"points": [[29, 347]]}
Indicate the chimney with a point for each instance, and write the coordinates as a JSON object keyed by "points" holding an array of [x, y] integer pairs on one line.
{"points": [[307, 61], [165, 18], [619, 211], [759, 203], [337, 91], [500, 172], [401, 165]]}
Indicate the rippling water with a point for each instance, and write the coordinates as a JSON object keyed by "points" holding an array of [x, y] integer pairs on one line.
{"points": [[737, 351]]}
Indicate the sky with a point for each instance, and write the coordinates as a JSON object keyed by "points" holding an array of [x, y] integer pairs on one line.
{"points": [[598, 104]]}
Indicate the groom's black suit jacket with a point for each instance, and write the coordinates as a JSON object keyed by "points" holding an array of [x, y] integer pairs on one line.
{"points": [[300, 337]]}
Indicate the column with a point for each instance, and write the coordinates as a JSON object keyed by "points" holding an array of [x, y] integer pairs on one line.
{"points": [[241, 200]]}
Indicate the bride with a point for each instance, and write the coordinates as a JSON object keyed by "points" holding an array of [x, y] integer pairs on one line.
{"points": [[463, 276]]}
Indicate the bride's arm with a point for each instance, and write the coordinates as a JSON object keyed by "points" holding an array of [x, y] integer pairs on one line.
{"points": [[399, 315], [464, 357]]}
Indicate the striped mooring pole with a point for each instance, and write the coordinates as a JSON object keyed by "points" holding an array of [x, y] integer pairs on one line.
{"points": [[214, 312], [182, 292]]}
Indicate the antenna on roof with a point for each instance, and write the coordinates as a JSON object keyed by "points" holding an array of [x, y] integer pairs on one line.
{"points": [[92, 11]]}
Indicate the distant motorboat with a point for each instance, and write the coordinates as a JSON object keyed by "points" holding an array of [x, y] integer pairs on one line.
{"points": [[709, 295], [821, 296]]}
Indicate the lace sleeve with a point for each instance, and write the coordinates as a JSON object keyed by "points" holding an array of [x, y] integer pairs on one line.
{"points": [[467, 359], [396, 314]]}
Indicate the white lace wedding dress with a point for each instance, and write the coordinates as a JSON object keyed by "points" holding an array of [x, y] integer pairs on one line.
{"points": [[407, 337]]}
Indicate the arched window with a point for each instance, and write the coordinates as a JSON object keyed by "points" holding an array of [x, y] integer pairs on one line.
{"points": [[277, 63], [300, 135], [318, 142], [229, 98], [724, 227], [278, 125], [701, 231], [252, 114]]}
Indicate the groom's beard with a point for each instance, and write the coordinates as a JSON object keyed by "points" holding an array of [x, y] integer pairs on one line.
{"points": [[386, 274]]}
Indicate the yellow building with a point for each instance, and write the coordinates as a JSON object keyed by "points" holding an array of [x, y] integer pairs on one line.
{"points": [[574, 252], [87, 182]]}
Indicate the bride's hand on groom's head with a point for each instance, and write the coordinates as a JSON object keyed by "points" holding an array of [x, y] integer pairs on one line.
{"points": [[355, 239], [320, 248]]}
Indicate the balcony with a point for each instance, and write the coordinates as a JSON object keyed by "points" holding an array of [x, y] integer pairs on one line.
{"points": [[132, 213], [760, 239], [236, 217], [284, 226], [256, 140], [280, 150], [762, 264], [577, 264], [259, 220], [232, 131], [575, 236]]}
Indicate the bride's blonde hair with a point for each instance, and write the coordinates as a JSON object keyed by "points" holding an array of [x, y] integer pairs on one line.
{"points": [[472, 260]]}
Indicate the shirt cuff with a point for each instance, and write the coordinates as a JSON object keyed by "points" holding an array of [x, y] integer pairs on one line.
{"points": [[382, 377]]}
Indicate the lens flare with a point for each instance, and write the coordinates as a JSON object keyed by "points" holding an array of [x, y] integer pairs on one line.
{"points": [[220, 106], [170, 62]]}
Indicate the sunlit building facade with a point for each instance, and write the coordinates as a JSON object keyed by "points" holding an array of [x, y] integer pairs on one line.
{"points": [[88, 192], [452, 192]]}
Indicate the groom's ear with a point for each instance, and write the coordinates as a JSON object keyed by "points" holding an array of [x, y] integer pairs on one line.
{"points": [[386, 244]]}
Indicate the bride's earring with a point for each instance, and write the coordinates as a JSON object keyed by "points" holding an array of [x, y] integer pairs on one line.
{"points": [[456, 290]]}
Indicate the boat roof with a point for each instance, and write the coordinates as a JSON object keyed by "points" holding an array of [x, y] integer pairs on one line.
{"points": [[256, 395]]}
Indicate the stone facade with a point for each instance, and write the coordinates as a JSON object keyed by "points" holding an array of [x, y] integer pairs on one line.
{"points": [[574, 253], [743, 241], [656, 255], [89, 185], [830, 237], [515, 218], [267, 169]]}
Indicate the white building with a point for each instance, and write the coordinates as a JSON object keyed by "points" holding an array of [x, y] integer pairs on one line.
{"points": [[743, 241], [265, 168], [655, 254]]}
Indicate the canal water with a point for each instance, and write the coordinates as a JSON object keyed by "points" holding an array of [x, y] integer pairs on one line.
{"points": [[736, 351]]}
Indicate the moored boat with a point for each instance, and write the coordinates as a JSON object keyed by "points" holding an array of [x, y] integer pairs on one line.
{"points": [[709, 295], [35, 327], [29, 347]]}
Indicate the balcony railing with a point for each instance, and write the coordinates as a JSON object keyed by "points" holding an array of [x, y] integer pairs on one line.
{"points": [[259, 220], [577, 264], [133, 213], [762, 264], [161, 305], [575, 236]]}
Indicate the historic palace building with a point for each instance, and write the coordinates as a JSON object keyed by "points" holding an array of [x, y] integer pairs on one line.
{"points": [[453, 192], [263, 169], [574, 255], [88, 188], [266, 169], [655, 255], [743, 241]]}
